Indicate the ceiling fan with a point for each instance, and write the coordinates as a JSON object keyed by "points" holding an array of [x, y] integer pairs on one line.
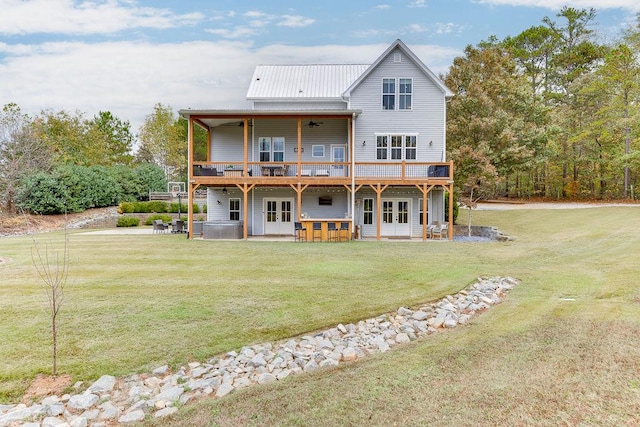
{"points": [[312, 124]]}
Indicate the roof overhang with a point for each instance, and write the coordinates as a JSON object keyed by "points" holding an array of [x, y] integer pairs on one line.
{"points": [[213, 118]]}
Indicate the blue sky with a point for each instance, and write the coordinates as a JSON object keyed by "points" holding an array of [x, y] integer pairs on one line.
{"points": [[125, 56]]}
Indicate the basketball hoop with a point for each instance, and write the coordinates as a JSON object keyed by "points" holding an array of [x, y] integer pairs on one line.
{"points": [[175, 194]]}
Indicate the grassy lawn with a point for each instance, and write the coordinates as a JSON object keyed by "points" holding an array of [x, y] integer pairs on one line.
{"points": [[563, 349]]}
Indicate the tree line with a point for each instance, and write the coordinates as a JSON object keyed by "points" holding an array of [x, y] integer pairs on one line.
{"points": [[57, 162], [548, 113]]}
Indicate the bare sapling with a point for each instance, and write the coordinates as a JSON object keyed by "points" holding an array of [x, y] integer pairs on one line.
{"points": [[53, 269]]}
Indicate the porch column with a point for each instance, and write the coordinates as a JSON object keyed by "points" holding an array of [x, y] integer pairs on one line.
{"points": [[299, 188], [450, 188], [245, 188], [425, 189], [190, 179], [246, 150], [378, 189], [299, 151]]}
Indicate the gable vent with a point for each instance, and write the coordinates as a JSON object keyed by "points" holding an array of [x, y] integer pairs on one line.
{"points": [[397, 57]]}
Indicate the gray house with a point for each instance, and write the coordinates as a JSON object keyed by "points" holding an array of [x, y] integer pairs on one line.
{"points": [[362, 146]]}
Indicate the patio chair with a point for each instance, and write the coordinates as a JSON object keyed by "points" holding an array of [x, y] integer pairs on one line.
{"points": [[159, 226], [438, 229]]}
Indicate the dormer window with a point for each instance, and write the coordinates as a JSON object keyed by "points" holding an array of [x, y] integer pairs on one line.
{"points": [[404, 94]]}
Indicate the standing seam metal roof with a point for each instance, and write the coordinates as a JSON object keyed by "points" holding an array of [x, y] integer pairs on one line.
{"points": [[303, 81]]}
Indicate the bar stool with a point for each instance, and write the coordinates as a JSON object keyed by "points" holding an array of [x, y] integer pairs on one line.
{"points": [[317, 227], [344, 226], [332, 231], [301, 232]]}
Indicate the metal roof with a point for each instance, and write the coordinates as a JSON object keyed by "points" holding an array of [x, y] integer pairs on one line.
{"points": [[318, 81]]}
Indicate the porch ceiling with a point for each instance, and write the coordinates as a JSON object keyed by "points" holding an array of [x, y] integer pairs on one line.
{"points": [[213, 118]]}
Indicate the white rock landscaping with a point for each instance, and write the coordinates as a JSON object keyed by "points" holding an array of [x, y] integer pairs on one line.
{"points": [[131, 399]]}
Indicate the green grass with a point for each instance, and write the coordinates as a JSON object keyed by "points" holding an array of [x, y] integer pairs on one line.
{"points": [[136, 302]]}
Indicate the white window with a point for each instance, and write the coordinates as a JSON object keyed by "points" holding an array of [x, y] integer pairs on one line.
{"points": [[396, 147], [388, 94], [400, 88], [317, 151], [234, 209], [382, 145], [405, 90], [271, 149], [367, 212]]}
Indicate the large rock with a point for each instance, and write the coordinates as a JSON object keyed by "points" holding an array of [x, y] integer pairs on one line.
{"points": [[82, 402], [171, 394], [132, 417], [104, 384]]}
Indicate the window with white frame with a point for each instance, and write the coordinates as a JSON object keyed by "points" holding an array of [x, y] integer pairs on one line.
{"points": [[271, 149], [388, 94], [367, 211], [396, 147], [317, 151], [382, 145], [405, 92], [400, 88], [421, 211], [234, 209]]}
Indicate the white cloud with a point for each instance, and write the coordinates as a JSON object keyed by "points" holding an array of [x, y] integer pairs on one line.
{"points": [[632, 5], [96, 17], [383, 6], [295, 21], [235, 33], [418, 3], [447, 28], [129, 78]]}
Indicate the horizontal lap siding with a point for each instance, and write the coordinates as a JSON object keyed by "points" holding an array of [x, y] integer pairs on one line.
{"points": [[426, 118], [227, 140]]}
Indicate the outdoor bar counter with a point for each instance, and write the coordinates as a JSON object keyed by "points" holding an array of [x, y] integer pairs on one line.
{"points": [[324, 227]]}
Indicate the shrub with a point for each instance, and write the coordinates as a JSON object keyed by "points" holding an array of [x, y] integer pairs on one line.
{"points": [[128, 221], [157, 206], [174, 208], [127, 207], [196, 208], [164, 218]]}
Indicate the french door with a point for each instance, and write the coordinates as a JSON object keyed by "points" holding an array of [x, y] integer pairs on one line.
{"points": [[395, 217], [278, 216]]}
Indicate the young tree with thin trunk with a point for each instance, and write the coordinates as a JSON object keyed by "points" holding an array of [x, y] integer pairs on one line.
{"points": [[53, 269]]}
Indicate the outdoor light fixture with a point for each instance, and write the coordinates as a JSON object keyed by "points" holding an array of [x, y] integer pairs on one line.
{"points": [[224, 191], [364, 143]]}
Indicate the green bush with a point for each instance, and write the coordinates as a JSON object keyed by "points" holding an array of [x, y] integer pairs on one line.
{"points": [[196, 208], [446, 208], [128, 221], [127, 207], [204, 208], [157, 206], [173, 208], [164, 218]]}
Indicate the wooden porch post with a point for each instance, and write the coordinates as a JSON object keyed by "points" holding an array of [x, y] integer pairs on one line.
{"points": [[378, 189], [299, 150], [190, 197], [245, 188], [299, 188], [450, 188], [246, 150], [425, 193]]}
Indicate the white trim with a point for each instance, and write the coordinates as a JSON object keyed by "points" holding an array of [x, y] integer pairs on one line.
{"points": [[313, 151]]}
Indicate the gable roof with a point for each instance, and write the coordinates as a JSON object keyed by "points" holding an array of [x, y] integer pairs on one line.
{"points": [[398, 44], [327, 81]]}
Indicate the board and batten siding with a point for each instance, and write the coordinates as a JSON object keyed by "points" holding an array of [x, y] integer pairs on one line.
{"points": [[426, 118]]}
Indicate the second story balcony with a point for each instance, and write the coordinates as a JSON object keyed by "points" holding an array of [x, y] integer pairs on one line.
{"points": [[319, 173]]}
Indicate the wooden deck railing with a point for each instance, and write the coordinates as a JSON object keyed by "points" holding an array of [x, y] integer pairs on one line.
{"points": [[386, 170]]}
